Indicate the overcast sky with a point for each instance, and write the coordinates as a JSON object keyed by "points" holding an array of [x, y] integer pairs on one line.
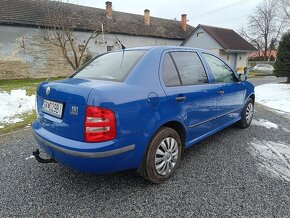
{"points": [[223, 13]]}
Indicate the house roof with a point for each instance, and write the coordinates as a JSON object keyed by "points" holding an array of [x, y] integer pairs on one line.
{"points": [[31, 13], [227, 38]]}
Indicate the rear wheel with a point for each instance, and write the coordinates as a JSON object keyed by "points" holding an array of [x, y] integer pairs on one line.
{"points": [[163, 156], [247, 114]]}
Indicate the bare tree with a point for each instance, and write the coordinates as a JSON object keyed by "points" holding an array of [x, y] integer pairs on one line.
{"points": [[284, 6], [61, 21], [264, 28]]}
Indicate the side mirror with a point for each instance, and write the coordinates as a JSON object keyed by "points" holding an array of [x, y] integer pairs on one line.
{"points": [[242, 78], [246, 71]]}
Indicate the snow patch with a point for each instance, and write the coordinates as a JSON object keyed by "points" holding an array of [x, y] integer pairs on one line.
{"points": [[30, 157], [15, 103], [275, 96], [265, 123], [273, 158]]}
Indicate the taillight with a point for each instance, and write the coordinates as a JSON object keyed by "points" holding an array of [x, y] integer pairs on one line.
{"points": [[100, 124]]}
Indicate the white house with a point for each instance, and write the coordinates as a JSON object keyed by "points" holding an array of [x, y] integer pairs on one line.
{"points": [[225, 43], [23, 54]]}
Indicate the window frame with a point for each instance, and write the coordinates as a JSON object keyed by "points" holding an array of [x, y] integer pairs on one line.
{"points": [[178, 73], [209, 69]]}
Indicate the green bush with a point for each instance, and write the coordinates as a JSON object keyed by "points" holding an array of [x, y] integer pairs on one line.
{"points": [[282, 64]]}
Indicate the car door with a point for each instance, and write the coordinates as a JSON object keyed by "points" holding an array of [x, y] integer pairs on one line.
{"points": [[186, 86], [230, 92]]}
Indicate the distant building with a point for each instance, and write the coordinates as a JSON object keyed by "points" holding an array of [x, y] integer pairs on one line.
{"points": [[258, 54], [225, 43], [23, 54]]}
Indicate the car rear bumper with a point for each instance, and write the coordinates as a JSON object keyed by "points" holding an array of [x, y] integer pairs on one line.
{"points": [[102, 157]]}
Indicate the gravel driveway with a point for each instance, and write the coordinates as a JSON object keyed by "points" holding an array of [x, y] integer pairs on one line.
{"points": [[233, 173]]}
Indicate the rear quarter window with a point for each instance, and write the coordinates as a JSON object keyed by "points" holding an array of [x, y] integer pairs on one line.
{"points": [[110, 66]]}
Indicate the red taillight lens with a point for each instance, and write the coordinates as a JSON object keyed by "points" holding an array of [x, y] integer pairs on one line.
{"points": [[100, 124]]}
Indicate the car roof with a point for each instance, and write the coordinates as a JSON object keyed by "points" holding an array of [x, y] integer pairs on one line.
{"points": [[163, 48]]}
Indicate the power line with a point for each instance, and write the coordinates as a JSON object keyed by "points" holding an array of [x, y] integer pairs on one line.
{"points": [[230, 19], [221, 8]]}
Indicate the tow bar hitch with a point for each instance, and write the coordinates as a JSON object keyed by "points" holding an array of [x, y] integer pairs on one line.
{"points": [[41, 160]]}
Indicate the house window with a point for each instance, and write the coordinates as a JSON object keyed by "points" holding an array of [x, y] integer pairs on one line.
{"points": [[228, 58], [240, 58], [199, 34], [110, 48]]}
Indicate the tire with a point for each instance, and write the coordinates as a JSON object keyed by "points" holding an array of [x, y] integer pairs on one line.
{"points": [[247, 114], [162, 157]]}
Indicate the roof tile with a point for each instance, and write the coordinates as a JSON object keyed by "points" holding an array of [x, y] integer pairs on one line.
{"points": [[31, 13]]}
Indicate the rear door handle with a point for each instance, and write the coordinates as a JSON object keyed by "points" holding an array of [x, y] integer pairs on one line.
{"points": [[180, 98], [221, 92]]}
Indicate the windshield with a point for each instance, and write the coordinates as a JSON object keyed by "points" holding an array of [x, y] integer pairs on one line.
{"points": [[110, 66]]}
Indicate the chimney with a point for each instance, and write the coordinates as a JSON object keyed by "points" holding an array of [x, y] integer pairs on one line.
{"points": [[109, 9], [183, 22], [147, 17]]}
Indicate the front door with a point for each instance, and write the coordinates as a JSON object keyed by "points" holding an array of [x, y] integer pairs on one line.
{"points": [[187, 88], [231, 93]]}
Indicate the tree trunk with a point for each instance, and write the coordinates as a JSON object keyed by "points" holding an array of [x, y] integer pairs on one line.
{"points": [[288, 79]]}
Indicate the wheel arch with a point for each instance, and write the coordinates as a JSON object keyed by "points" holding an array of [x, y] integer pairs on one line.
{"points": [[252, 96], [178, 127]]}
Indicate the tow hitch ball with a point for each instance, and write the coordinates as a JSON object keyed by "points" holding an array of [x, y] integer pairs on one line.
{"points": [[42, 160]]}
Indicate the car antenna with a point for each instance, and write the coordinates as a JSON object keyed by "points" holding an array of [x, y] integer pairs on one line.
{"points": [[123, 46]]}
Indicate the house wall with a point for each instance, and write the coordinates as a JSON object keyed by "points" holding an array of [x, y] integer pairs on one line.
{"points": [[234, 60], [23, 54], [229, 58], [242, 60]]}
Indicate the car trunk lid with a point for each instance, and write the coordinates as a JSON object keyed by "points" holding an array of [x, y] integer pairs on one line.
{"points": [[61, 105]]}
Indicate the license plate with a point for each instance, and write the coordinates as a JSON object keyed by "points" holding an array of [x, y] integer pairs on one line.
{"points": [[52, 108]]}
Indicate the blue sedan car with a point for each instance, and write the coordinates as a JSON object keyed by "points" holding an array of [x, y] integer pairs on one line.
{"points": [[138, 109]]}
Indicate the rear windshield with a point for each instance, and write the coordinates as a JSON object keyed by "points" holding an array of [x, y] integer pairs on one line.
{"points": [[110, 66]]}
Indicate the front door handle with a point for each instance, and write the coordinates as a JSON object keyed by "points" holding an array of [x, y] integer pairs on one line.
{"points": [[221, 92], [180, 98]]}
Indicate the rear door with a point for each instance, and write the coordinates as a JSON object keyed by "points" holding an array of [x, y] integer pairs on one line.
{"points": [[186, 85], [230, 92]]}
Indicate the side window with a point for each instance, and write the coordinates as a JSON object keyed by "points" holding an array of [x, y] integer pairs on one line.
{"points": [[220, 71], [190, 68], [170, 75]]}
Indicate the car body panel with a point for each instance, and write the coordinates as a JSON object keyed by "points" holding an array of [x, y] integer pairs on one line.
{"points": [[230, 102], [142, 104]]}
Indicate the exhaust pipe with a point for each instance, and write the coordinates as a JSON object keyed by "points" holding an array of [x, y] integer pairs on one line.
{"points": [[40, 159]]}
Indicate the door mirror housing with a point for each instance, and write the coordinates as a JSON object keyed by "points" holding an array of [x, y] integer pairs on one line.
{"points": [[242, 78], [246, 71]]}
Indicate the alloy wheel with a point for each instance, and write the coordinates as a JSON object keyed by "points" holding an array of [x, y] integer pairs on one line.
{"points": [[166, 156], [249, 112]]}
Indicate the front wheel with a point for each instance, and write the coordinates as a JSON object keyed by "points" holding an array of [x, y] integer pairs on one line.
{"points": [[163, 156], [247, 114]]}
